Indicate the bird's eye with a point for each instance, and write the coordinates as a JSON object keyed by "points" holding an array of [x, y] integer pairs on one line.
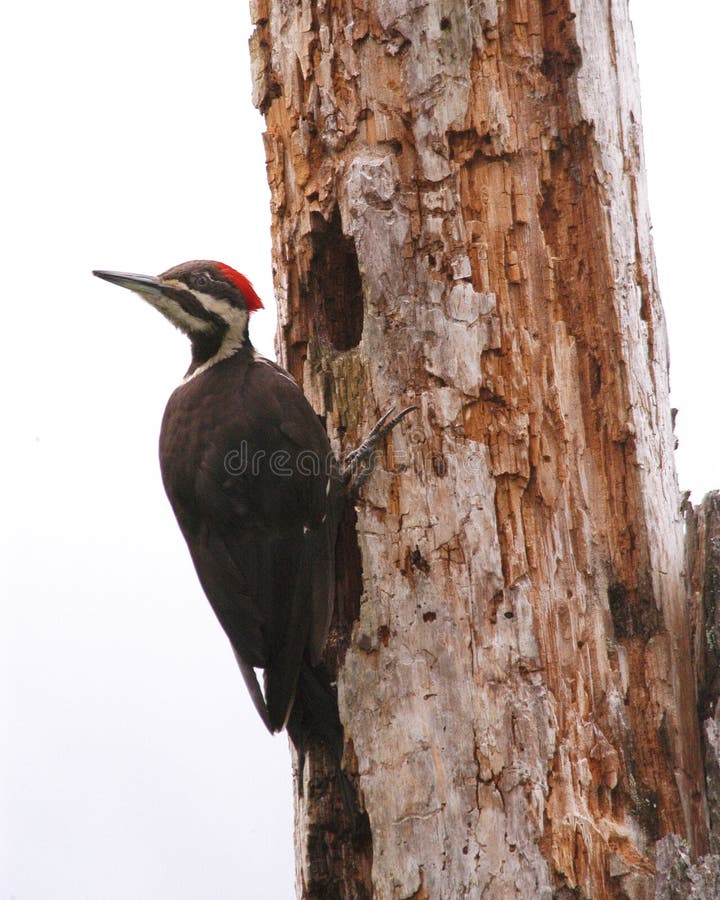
{"points": [[200, 281]]}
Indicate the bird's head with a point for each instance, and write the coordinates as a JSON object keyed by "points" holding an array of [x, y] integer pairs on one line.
{"points": [[208, 301]]}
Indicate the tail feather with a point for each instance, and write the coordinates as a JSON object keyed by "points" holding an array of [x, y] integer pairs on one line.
{"points": [[314, 715], [315, 719]]}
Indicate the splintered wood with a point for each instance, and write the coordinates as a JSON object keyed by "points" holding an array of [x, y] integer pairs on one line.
{"points": [[460, 221]]}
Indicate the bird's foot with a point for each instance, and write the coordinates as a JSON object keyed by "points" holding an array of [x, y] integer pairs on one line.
{"points": [[359, 464]]}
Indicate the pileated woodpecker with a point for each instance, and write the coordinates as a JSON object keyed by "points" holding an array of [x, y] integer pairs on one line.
{"points": [[249, 472]]}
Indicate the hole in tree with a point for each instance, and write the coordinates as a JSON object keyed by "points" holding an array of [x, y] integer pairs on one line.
{"points": [[335, 284]]}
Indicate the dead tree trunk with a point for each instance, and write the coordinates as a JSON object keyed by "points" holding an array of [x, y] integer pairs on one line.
{"points": [[460, 220]]}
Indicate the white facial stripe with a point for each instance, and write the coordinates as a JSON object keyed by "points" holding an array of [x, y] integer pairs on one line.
{"points": [[235, 318], [178, 316]]}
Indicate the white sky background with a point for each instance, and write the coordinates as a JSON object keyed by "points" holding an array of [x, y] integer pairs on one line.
{"points": [[133, 765]]}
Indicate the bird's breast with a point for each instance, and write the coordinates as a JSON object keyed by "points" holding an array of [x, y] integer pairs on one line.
{"points": [[195, 439]]}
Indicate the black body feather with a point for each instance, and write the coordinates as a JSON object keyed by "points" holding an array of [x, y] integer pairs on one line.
{"points": [[248, 470]]}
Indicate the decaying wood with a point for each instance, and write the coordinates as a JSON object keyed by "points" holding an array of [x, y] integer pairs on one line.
{"points": [[703, 567], [678, 875], [460, 221]]}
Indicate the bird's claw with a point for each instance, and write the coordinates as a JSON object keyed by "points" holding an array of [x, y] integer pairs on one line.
{"points": [[358, 465]]}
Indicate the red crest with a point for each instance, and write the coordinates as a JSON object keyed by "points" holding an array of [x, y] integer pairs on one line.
{"points": [[252, 301]]}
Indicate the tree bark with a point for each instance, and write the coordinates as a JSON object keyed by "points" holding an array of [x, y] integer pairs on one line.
{"points": [[460, 220]]}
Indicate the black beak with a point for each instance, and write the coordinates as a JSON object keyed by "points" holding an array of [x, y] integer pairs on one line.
{"points": [[147, 285]]}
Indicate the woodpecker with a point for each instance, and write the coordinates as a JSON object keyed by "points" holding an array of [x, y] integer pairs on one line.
{"points": [[257, 493]]}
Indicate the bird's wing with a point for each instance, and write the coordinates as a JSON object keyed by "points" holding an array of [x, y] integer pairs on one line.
{"points": [[321, 497]]}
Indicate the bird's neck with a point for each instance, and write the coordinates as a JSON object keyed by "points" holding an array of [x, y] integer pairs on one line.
{"points": [[207, 350]]}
